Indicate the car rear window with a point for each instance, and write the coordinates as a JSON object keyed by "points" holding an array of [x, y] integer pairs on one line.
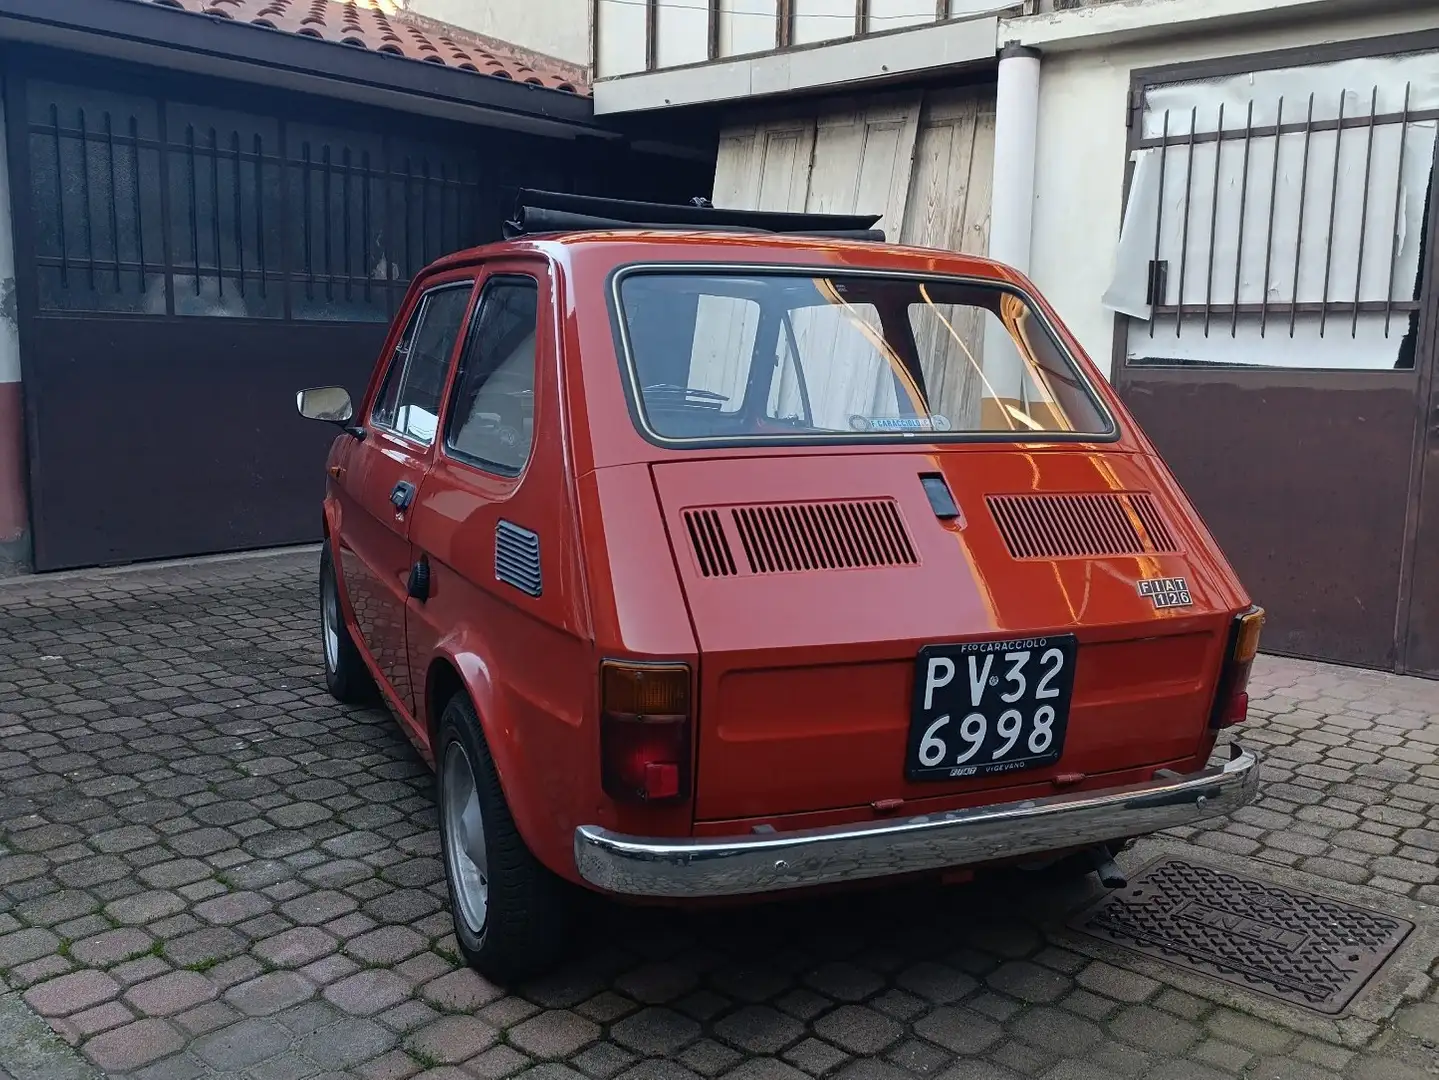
{"points": [[802, 356]]}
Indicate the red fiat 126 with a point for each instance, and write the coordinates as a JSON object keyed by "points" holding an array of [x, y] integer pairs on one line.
{"points": [[712, 553]]}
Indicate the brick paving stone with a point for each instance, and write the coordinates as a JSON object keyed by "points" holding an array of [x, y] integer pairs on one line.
{"points": [[296, 947], [497, 1063], [759, 1029], [959, 1030], [134, 1045], [174, 992], [367, 992], [71, 993], [453, 1039], [243, 1044], [554, 1034], [272, 862], [1028, 982], [655, 1031]]}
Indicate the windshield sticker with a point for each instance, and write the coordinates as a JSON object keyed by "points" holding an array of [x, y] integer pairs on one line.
{"points": [[899, 423], [1169, 592]]}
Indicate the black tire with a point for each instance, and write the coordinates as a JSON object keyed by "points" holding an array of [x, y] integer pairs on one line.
{"points": [[528, 910], [346, 676]]}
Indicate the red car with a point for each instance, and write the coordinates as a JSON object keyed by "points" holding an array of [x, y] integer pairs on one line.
{"points": [[712, 553]]}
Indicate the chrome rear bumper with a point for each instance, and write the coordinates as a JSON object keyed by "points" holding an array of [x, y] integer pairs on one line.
{"points": [[767, 862]]}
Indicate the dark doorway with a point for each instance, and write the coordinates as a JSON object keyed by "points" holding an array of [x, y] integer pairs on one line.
{"points": [[201, 250]]}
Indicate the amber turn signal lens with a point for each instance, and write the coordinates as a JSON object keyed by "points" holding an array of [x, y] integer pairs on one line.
{"points": [[1246, 638], [645, 731], [644, 690]]}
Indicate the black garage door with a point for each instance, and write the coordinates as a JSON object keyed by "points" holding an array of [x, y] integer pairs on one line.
{"points": [[200, 252]]}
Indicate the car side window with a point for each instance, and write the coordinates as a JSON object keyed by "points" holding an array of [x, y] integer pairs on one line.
{"points": [[409, 399], [492, 417]]}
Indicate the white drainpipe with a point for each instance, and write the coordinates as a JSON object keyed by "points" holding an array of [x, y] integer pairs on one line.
{"points": [[1011, 221], [1016, 132]]}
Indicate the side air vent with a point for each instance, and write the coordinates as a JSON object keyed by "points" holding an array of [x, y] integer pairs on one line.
{"points": [[1080, 526], [517, 558], [854, 534], [711, 546]]}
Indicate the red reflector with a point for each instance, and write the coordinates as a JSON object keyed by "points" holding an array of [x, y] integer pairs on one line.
{"points": [[662, 780], [1236, 711]]}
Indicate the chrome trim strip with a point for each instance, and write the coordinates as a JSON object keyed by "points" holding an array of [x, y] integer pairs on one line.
{"points": [[768, 862]]}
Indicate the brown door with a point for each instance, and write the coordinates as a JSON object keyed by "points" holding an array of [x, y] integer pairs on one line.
{"points": [[1277, 343], [1419, 606], [1303, 478]]}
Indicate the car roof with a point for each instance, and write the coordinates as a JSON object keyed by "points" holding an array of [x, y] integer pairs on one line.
{"points": [[678, 245]]}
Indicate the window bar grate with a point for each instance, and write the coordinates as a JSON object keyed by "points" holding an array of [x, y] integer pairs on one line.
{"points": [[239, 211], [1184, 244], [260, 210], [139, 214], [1243, 214], [1333, 213], [114, 195], [1303, 198], [1157, 288], [215, 214], [1364, 208], [194, 210], [60, 197], [1398, 209], [308, 225], [349, 263], [1269, 233], [365, 222], [1213, 225], [86, 204]]}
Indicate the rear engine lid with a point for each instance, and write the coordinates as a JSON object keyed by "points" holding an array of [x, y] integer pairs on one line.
{"points": [[826, 591]]}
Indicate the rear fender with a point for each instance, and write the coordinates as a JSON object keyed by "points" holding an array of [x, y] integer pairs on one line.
{"points": [[464, 653]]}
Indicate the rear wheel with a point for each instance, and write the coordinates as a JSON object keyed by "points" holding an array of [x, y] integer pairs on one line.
{"points": [[511, 915], [346, 676]]}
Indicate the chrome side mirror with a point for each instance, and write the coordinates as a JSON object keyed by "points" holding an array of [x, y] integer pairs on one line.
{"points": [[329, 403]]}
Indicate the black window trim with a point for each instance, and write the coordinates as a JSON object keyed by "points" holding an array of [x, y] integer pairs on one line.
{"points": [[416, 314], [630, 377], [447, 448]]}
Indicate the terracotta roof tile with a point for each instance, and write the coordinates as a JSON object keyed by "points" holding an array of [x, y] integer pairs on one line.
{"points": [[380, 26]]}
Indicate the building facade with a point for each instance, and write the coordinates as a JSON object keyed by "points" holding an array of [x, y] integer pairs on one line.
{"points": [[1227, 200]]}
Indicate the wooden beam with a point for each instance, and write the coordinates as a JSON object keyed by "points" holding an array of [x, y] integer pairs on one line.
{"points": [[714, 29], [594, 40], [861, 17], [652, 34], [784, 32]]}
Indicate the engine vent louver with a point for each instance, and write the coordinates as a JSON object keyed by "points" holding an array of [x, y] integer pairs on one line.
{"points": [[711, 546], [1081, 526], [788, 537], [517, 558]]}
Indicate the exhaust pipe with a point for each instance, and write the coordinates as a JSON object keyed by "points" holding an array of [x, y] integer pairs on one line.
{"points": [[1106, 869]]}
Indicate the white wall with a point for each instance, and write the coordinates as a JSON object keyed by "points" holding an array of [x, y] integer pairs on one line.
{"points": [[559, 28], [1082, 142]]}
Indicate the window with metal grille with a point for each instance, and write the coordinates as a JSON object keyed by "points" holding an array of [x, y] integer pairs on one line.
{"points": [[1278, 217], [153, 207]]}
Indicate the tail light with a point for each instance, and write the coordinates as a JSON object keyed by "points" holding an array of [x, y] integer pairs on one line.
{"points": [[1231, 704], [645, 731]]}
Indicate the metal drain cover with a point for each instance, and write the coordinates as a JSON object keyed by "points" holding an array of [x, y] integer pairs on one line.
{"points": [[1291, 945]]}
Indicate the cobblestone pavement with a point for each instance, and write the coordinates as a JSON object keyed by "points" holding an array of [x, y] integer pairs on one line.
{"points": [[207, 868]]}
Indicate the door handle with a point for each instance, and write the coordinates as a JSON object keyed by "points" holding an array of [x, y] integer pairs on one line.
{"points": [[402, 496]]}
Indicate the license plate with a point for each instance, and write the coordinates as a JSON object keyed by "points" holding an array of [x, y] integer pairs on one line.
{"points": [[986, 707]]}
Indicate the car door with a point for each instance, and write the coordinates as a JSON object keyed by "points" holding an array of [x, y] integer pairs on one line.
{"points": [[385, 471], [495, 520]]}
